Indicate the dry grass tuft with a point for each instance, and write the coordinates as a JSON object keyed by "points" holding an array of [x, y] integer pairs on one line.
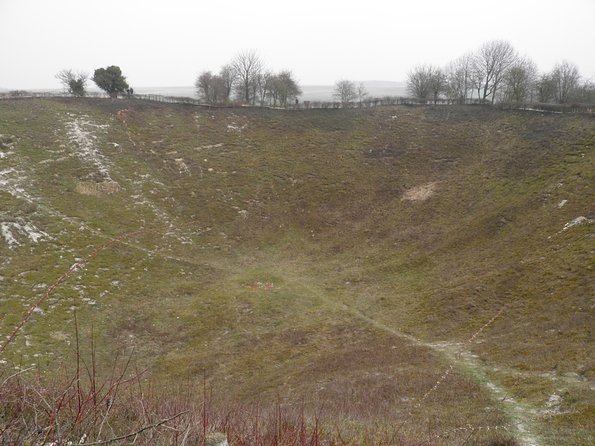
{"points": [[420, 193], [97, 189]]}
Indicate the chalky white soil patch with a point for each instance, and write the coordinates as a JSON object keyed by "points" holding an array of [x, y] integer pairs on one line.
{"points": [[236, 124], [210, 146], [182, 166], [553, 405], [420, 193], [576, 222], [233, 127], [12, 181], [16, 179], [14, 232], [81, 133]]}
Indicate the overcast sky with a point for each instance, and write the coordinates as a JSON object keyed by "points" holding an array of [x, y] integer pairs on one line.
{"points": [[167, 43]]}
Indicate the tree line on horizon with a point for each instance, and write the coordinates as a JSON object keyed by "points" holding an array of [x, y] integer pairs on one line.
{"points": [[495, 72], [244, 79], [110, 79], [247, 78]]}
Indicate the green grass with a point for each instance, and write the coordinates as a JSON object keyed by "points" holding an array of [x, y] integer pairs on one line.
{"points": [[312, 203]]}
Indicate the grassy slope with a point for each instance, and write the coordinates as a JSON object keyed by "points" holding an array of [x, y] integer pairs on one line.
{"points": [[313, 202]]}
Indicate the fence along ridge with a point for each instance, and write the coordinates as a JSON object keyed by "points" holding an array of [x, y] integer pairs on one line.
{"points": [[577, 108]]}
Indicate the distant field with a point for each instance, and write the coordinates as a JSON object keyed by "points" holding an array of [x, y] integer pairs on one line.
{"points": [[428, 268]]}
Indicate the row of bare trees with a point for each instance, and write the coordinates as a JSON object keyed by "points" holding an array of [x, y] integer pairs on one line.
{"points": [[246, 79], [497, 73], [347, 92]]}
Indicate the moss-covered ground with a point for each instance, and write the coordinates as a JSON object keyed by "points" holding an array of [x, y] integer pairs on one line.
{"points": [[294, 254]]}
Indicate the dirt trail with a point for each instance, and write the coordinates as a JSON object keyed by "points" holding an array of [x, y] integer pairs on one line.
{"points": [[522, 417]]}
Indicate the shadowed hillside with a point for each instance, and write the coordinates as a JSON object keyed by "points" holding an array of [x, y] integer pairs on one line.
{"points": [[428, 268]]}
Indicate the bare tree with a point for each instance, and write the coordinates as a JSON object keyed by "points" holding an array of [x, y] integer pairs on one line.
{"points": [[519, 80], [204, 86], [490, 63], [586, 92], [459, 79], [566, 79], [264, 83], [211, 87], [425, 81], [247, 67], [437, 83], [74, 83], [477, 78], [362, 93], [228, 76], [345, 91], [418, 82], [285, 88], [546, 88]]}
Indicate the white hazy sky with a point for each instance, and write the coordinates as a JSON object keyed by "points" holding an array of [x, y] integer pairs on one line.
{"points": [[167, 43]]}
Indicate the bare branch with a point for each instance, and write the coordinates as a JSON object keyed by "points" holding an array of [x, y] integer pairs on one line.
{"points": [[132, 434]]}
